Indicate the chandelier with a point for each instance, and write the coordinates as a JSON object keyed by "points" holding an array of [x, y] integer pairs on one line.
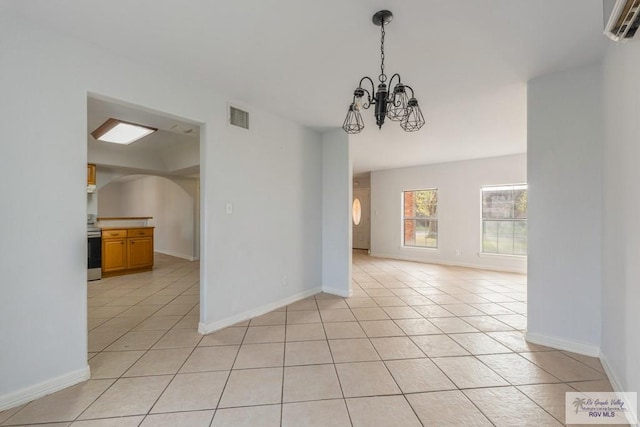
{"points": [[395, 105]]}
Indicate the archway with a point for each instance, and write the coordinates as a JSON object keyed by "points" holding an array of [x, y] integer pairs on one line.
{"points": [[172, 202]]}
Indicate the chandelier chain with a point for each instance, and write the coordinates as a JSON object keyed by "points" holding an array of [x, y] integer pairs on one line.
{"points": [[383, 76]]}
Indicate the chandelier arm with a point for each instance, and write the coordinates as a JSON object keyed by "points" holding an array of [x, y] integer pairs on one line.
{"points": [[391, 80], [411, 89], [367, 78], [370, 95]]}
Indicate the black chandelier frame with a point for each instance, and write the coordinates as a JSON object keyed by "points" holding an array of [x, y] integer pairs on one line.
{"points": [[396, 105]]}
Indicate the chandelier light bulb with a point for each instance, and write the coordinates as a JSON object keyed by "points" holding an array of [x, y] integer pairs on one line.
{"points": [[357, 103]]}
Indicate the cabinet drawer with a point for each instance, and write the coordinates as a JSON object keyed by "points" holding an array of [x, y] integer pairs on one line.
{"points": [[140, 232], [112, 234]]}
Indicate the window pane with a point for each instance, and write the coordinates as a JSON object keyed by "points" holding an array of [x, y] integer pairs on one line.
{"points": [[409, 206], [420, 201], [421, 232], [505, 237], [425, 202], [497, 204], [432, 234], [409, 232], [490, 236], [520, 203], [520, 238]]}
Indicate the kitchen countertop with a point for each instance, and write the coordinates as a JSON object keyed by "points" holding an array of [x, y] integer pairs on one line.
{"points": [[125, 227], [123, 218]]}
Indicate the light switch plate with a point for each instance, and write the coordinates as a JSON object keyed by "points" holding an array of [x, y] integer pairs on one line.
{"points": [[229, 208]]}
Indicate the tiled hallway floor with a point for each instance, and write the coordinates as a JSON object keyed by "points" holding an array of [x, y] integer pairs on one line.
{"points": [[416, 344]]}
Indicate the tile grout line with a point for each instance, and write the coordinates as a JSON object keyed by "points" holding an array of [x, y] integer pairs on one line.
{"points": [[335, 368]]}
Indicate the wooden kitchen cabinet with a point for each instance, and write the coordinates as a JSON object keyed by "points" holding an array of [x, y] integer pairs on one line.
{"points": [[127, 250], [140, 252], [114, 254], [91, 174]]}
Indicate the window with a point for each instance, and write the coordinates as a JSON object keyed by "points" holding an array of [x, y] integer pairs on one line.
{"points": [[504, 219], [356, 212], [420, 218]]}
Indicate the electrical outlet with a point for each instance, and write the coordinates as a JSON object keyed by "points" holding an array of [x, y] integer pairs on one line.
{"points": [[229, 208], [285, 280], [457, 252]]}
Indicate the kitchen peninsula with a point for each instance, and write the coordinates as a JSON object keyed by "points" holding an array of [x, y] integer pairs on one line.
{"points": [[127, 245]]}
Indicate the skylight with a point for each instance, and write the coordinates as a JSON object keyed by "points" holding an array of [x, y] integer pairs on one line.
{"points": [[120, 132]]}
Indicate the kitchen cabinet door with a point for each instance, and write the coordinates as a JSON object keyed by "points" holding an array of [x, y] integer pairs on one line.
{"points": [[140, 252], [114, 255]]}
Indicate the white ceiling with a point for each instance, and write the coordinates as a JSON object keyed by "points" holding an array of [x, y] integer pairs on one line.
{"points": [[171, 131], [154, 149], [468, 60]]}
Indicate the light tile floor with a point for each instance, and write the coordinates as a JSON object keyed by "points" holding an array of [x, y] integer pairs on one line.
{"points": [[416, 344]]}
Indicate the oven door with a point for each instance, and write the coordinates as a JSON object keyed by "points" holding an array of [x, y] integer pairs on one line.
{"points": [[94, 251]]}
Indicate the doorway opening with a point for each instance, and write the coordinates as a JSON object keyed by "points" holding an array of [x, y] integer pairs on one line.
{"points": [[156, 178], [361, 212]]}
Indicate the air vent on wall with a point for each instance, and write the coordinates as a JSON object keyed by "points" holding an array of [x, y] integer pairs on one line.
{"points": [[238, 117], [622, 19]]}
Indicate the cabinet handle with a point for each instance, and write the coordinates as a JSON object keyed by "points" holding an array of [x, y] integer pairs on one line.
{"points": [[133, 243]]}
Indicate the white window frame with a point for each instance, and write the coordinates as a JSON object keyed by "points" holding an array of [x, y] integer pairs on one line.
{"points": [[481, 233]]}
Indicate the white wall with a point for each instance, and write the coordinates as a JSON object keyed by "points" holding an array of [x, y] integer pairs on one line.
{"points": [[621, 211], [336, 213], [270, 247], [172, 207], [134, 158], [565, 210], [111, 199], [272, 174], [459, 210]]}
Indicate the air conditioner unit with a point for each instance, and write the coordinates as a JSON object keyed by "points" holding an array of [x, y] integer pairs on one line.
{"points": [[622, 19]]}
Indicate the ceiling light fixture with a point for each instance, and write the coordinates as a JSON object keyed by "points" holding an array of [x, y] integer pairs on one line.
{"points": [[120, 132], [396, 105]]}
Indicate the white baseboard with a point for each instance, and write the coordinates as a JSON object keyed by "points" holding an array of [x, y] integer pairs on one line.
{"points": [[613, 378], [336, 291], [403, 257], [177, 255], [616, 385], [563, 344], [27, 394], [207, 328]]}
